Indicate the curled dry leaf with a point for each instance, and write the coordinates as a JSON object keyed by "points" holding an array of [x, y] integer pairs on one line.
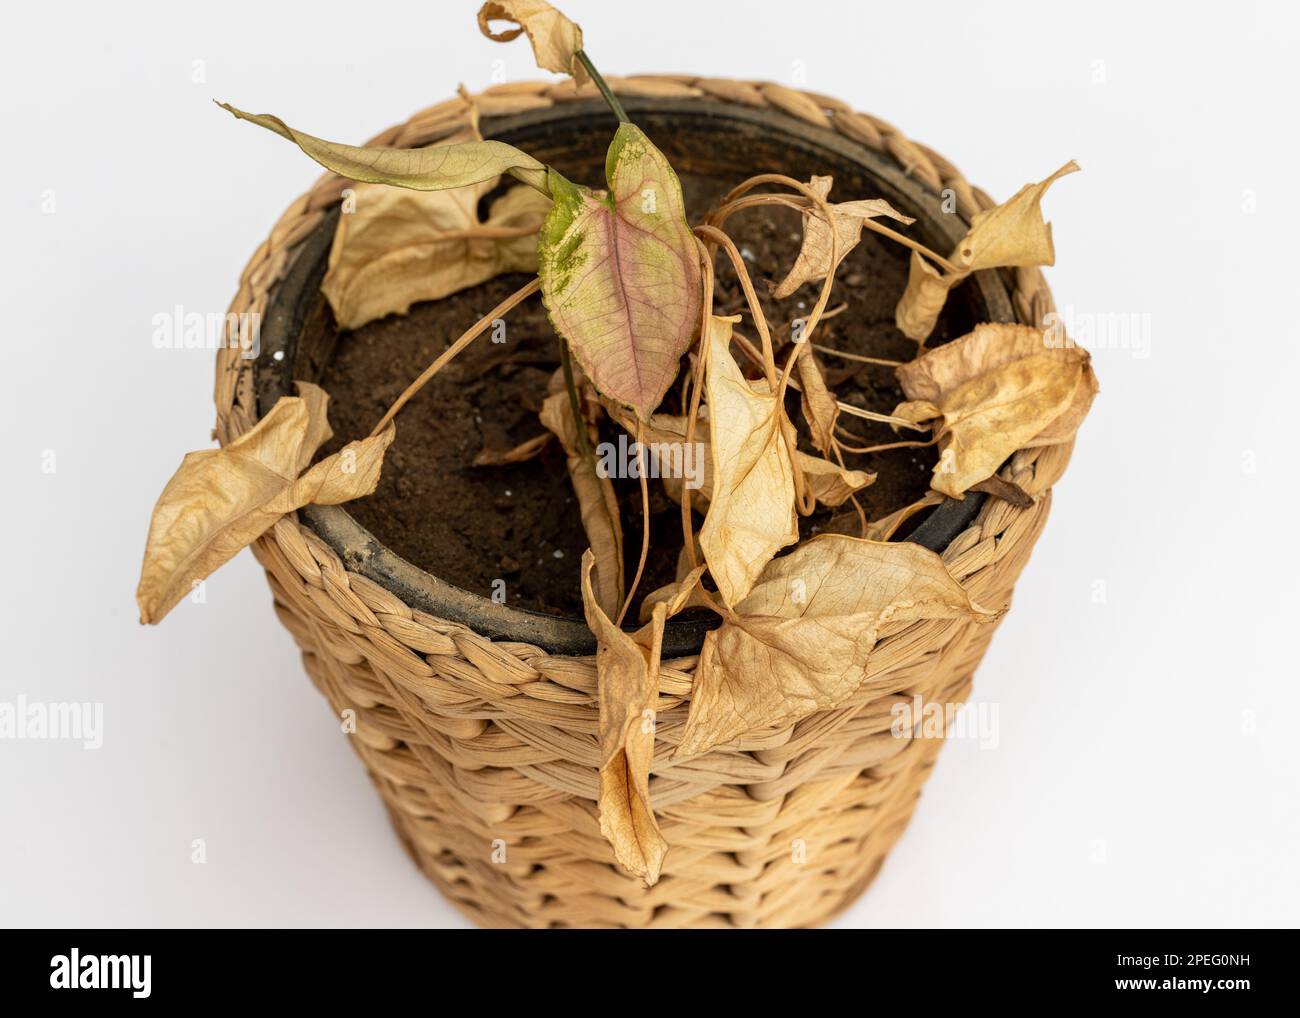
{"points": [[521, 453], [596, 502], [814, 261], [678, 595], [800, 642], [421, 169], [885, 527], [221, 500], [627, 679], [751, 510], [830, 483], [620, 273], [394, 250], [1008, 235], [998, 389], [556, 40], [820, 407]]}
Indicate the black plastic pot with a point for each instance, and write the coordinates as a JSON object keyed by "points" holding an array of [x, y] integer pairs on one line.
{"points": [[698, 136]]}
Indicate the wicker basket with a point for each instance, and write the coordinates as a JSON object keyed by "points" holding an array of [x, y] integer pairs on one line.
{"points": [[479, 729]]}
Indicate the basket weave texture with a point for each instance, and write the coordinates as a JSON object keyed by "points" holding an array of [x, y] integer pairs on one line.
{"points": [[486, 753]]}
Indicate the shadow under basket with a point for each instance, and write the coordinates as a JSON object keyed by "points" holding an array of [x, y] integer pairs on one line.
{"points": [[478, 722]]}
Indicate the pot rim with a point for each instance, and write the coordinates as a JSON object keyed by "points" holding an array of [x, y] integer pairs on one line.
{"points": [[365, 554]]}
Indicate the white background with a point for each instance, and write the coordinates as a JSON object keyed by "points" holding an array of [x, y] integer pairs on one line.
{"points": [[1146, 680]]}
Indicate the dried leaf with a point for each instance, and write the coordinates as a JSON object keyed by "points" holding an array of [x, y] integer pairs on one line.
{"points": [[627, 678], [800, 642], [555, 39], [677, 596], [421, 169], [393, 251], [830, 483], [1010, 234], [814, 261], [221, 500], [922, 302], [820, 408], [521, 453], [597, 502], [1008, 491], [751, 512], [620, 273], [999, 388]]}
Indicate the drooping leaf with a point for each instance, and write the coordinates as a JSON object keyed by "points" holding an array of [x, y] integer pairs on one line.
{"points": [[814, 261], [800, 642], [393, 251], [620, 273], [999, 388], [751, 512], [597, 502], [627, 678], [221, 500], [677, 596], [923, 300], [820, 408], [832, 484], [422, 169], [521, 453], [556, 40], [1010, 234]]}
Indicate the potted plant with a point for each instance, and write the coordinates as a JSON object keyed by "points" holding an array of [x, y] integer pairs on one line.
{"points": [[622, 629]]}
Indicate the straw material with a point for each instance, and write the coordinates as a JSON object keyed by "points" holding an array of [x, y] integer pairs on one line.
{"points": [[486, 754]]}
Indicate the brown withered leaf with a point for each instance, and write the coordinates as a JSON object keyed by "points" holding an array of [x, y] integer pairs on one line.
{"points": [[1013, 233], [820, 408], [999, 388], [1007, 235], [597, 502], [521, 453], [813, 263], [221, 500], [1008, 491], [800, 642], [751, 511], [394, 250], [832, 484], [627, 679], [556, 40], [677, 596]]}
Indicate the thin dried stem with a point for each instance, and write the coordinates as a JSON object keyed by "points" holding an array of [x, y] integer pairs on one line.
{"points": [[575, 405], [474, 331], [857, 357], [642, 470], [869, 415], [697, 388], [862, 450], [716, 236]]}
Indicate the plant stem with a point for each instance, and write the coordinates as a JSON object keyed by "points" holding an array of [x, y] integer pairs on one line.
{"points": [[610, 99], [575, 406]]}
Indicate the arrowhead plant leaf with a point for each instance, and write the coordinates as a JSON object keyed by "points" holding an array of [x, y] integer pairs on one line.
{"points": [[620, 275], [422, 169]]}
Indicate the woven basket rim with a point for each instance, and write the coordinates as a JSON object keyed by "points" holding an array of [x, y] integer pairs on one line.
{"points": [[367, 554]]}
